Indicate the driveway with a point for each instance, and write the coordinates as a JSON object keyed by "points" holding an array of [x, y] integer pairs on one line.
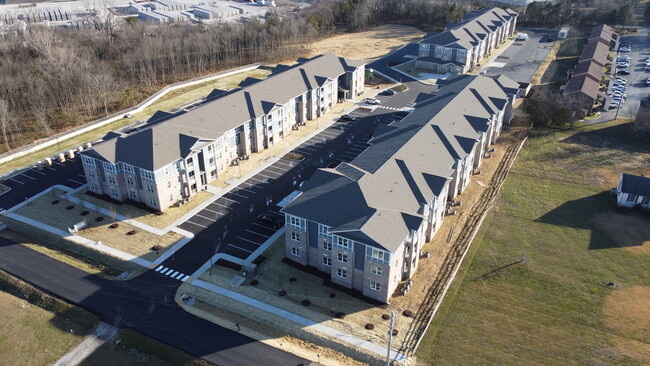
{"points": [[520, 61]]}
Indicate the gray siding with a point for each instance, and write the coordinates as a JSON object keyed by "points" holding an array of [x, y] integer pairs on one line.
{"points": [[312, 230], [359, 255]]}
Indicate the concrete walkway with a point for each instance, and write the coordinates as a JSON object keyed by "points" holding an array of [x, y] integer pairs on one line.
{"points": [[307, 323], [103, 333]]}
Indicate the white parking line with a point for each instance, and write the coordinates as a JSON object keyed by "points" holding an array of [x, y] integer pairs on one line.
{"points": [[81, 175], [310, 149], [250, 241], [185, 278], [256, 233], [224, 206], [38, 171], [217, 212], [74, 181], [266, 227], [245, 189], [173, 274], [207, 218], [266, 176], [25, 175], [245, 250], [178, 277], [17, 181], [194, 223], [159, 268], [285, 163], [50, 168], [273, 169], [357, 149], [167, 272], [256, 179], [236, 194], [229, 199]]}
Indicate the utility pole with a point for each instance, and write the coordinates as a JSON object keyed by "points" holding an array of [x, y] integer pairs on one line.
{"points": [[390, 337]]}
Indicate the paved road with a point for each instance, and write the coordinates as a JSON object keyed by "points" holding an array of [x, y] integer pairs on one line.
{"points": [[146, 303], [398, 57]]}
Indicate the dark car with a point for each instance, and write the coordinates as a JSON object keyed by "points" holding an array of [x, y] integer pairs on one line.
{"points": [[623, 72], [348, 118], [270, 220], [401, 114], [389, 92]]}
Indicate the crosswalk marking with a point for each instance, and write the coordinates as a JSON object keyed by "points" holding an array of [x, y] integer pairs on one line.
{"points": [[171, 273]]}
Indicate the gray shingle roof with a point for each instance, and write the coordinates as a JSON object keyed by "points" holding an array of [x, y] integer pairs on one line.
{"points": [[158, 145], [474, 27], [377, 198], [635, 184]]}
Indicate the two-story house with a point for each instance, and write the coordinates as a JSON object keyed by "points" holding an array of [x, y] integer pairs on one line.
{"points": [[176, 155], [462, 46], [365, 222]]}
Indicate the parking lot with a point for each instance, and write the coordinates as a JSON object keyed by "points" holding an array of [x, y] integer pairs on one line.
{"points": [[637, 89], [520, 61], [29, 182], [340, 142]]}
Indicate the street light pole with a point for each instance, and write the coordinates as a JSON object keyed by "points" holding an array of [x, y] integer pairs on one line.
{"points": [[390, 337]]}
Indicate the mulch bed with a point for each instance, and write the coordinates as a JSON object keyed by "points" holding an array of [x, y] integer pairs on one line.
{"points": [[84, 213], [69, 207], [56, 202]]}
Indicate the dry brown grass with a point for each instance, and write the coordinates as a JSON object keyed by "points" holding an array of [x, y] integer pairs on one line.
{"points": [[628, 314], [56, 215], [168, 217], [367, 45]]}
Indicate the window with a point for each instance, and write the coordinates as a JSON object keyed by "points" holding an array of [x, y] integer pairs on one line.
{"points": [[212, 163], [378, 255], [129, 180], [646, 200], [110, 168], [131, 193], [91, 174], [191, 174], [343, 257], [295, 236], [111, 179], [169, 184], [376, 270], [296, 222], [152, 201], [149, 188], [114, 192], [171, 198], [327, 246], [343, 243], [295, 251], [94, 186], [129, 168], [88, 161], [324, 231], [632, 197], [375, 286], [147, 175], [327, 261], [342, 272]]}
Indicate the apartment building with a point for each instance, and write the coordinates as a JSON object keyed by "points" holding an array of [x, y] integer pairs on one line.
{"points": [[462, 46], [364, 223], [176, 155]]}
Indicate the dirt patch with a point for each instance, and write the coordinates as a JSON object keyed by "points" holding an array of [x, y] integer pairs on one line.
{"points": [[627, 312], [367, 45], [631, 231]]}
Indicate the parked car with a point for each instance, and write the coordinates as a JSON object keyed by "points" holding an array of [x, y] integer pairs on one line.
{"points": [[270, 220], [623, 72], [389, 92], [622, 65], [625, 44], [625, 49], [348, 118], [372, 101], [647, 81], [620, 80]]}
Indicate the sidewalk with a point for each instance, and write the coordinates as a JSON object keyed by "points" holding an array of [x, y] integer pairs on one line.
{"points": [[319, 328]]}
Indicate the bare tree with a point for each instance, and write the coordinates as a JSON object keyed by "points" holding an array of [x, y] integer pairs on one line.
{"points": [[5, 118]]}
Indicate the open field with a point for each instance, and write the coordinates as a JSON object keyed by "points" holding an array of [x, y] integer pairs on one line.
{"points": [[124, 237], [556, 274], [129, 347], [368, 45], [40, 330]]}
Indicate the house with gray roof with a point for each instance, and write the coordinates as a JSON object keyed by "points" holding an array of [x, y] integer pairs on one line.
{"points": [[176, 155], [633, 190], [365, 222], [463, 45]]}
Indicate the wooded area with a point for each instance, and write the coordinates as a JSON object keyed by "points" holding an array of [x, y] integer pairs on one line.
{"points": [[51, 80]]}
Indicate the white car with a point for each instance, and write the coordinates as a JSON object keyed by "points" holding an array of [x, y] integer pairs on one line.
{"points": [[372, 101], [622, 65], [613, 105], [624, 49], [621, 81]]}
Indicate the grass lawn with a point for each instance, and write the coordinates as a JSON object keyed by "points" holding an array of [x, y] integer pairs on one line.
{"points": [[556, 275], [137, 349], [37, 334]]}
